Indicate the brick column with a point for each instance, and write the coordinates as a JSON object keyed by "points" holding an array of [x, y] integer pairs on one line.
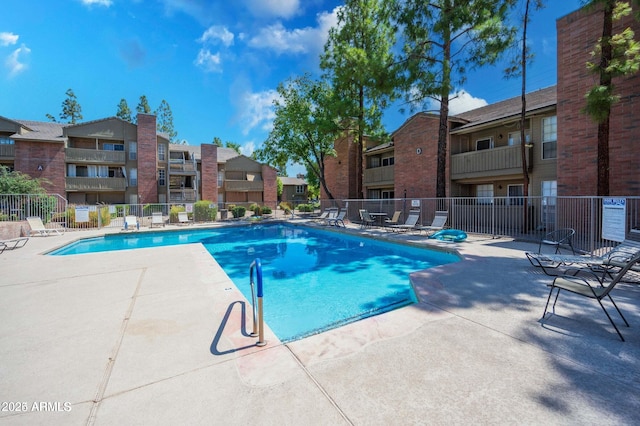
{"points": [[270, 195], [209, 172], [147, 159], [43, 160]]}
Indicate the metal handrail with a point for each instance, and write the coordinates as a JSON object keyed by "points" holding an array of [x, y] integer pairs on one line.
{"points": [[258, 322]]}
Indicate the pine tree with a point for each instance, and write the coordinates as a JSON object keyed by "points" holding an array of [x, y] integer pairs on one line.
{"points": [[123, 111], [164, 122]]}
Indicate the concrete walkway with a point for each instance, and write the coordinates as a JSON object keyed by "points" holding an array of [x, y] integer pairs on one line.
{"points": [[156, 336]]}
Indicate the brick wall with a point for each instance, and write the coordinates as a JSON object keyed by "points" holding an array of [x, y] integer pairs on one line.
{"points": [[270, 194], [29, 156], [577, 133], [416, 173], [147, 159], [340, 171], [209, 172]]}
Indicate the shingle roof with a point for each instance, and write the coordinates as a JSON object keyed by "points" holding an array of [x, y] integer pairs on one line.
{"points": [[41, 131], [539, 99], [224, 154], [292, 181]]}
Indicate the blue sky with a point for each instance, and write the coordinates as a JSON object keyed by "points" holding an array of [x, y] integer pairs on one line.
{"points": [[216, 63]]}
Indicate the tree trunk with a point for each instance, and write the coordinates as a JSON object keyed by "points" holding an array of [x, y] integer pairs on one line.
{"points": [[605, 81], [443, 128], [523, 135]]}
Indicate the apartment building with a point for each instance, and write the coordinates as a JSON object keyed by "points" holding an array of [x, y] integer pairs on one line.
{"points": [[484, 156], [294, 190], [113, 161]]}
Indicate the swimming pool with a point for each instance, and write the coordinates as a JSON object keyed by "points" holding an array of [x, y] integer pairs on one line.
{"points": [[314, 280]]}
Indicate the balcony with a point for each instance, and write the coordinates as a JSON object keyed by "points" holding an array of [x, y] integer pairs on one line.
{"points": [[80, 155], [7, 151], [176, 168], [502, 161], [182, 195], [378, 176], [243, 185], [95, 184]]}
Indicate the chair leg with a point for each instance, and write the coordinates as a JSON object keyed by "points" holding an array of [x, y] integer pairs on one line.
{"points": [[620, 313], [546, 306], [610, 320]]}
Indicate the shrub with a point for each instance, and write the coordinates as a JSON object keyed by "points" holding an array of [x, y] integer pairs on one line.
{"points": [[148, 209], [305, 208], [202, 212], [239, 211], [257, 211], [266, 210], [173, 213]]}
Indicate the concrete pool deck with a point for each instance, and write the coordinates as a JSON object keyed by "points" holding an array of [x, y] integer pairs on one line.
{"points": [[155, 336]]}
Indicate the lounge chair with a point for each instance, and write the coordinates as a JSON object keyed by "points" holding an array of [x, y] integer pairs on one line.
{"points": [[131, 223], [555, 264], [13, 244], [156, 219], [409, 224], [366, 218], [38, 228], [395, 219], [183, 217], [339, 219], [593, 288], [438, 223]]}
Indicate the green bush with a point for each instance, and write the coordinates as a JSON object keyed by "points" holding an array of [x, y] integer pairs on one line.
{"points": [[255, 208], [266, 210], [239, 211], [173, 213], [203, 213], [149, 209], [307, 208], [121, 211]]}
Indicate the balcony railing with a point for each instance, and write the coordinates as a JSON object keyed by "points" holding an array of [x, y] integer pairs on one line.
{"points": [[180, 168], [95, 184], [7, 150], [378, 175], [182, 195], [243, 185], [81, 155], [501, 161]]}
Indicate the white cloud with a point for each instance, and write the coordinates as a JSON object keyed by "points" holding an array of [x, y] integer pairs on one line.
{"points": [[300, 40], [256, 110], [7, 39], [459, 102], [217, 33], [208, 61], [248, 148], [14, 61], [274, 8], [105, 3]]}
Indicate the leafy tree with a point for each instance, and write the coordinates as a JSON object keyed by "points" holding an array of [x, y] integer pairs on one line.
{"points": [[123, 111], [280, 187], [71, 109], [444, 38], [359, 61], [164, 121], [217, 141], [19, 183], [304, 129], [615, 55], [234, 146]]}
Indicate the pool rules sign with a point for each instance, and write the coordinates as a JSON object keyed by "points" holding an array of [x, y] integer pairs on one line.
{"points": [[613, 218]]}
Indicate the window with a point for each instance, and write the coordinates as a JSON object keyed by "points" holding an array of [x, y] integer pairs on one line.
{"points": [[4, 140], [299, 189], [548, 211], [162, 152], [103, 171], [389, 161], [388, 195], [162, 177], [484, 144], [549, 137], [113, 147], [515, 193], [133, 150], [71, 170], [220, 178], [484, 194], [549, 191], [133, 177], [374, 162]]}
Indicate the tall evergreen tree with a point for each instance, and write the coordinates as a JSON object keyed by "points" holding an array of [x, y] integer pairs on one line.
{"points": [[164, 122], [443, 39], [143, 105], [358, 61], [123, 111], [71, 109], [614, 55]]}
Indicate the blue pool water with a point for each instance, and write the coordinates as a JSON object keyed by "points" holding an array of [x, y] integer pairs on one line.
{"points": [[313, 279]]}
